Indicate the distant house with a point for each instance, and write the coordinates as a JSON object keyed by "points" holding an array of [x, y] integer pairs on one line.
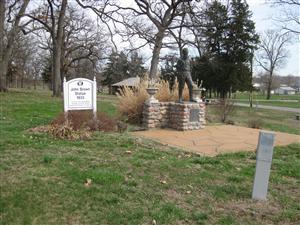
{"points": [[131, 82], [285, 90], [257, 86]]}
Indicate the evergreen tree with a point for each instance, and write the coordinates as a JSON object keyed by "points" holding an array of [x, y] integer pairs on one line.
{"points": [[47, 72], [210, 67], [230, 38], [240, 44], [168, 71], [136, 68], [203, 70], [119, 68]]}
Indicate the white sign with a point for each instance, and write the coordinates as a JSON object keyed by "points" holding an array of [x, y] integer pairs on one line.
{"points": [[80, 94]]}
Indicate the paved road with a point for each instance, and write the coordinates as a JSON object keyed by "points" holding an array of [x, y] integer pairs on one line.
{"points": [[286, 109], [272, 100]]}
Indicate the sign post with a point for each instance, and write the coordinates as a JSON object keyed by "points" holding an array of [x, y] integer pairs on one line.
{"points": [[80, 94], [95, 99], [264, 156]]}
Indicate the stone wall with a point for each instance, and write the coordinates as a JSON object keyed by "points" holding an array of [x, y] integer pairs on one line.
{"points": [[179, 116]]}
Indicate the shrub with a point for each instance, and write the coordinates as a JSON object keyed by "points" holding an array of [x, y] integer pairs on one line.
{"points": [[131, 101], [80, 124], [225, 107], [48, 159], [66, 131], [255, 123], [80, 120]]}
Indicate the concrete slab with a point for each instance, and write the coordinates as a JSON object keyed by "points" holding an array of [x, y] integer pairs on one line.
{"points": [[213, 140]]}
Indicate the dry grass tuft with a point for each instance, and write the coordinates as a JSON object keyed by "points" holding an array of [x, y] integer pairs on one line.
{"points": [[255, 123], [131, 101]]}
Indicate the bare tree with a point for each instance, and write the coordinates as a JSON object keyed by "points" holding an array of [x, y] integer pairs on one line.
{"points": [[13, 11], [84, 43], [23, 54], [64, 28], [289, 17], [291, 80], [148, 20], [272, 54], [51, 17], [162, 15], [264, 81]]}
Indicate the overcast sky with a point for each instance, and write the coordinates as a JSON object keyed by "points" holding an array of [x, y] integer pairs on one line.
{"points": [[262, 16]]}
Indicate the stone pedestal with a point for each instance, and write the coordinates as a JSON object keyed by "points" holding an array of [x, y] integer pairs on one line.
{"points": [[179, 116]]}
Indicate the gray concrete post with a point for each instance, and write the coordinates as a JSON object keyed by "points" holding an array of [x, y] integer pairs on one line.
{"points": [[264, 156]]}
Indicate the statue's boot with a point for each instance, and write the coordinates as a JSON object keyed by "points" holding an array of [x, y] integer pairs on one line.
{"points": [[191, 95]]}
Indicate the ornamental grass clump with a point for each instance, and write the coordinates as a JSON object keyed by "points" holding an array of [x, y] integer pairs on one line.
{"points": [[131, 100]]}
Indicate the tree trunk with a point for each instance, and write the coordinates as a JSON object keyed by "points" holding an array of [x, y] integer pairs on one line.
{"points": [[57, 45], [5, 51], [251, 98], [155, 54], [2, 72], [56, 71], [34, 82], [269, 85], [22, 79]]}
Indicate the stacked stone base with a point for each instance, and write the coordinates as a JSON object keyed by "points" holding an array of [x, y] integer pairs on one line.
{"points": [[179, 116]]}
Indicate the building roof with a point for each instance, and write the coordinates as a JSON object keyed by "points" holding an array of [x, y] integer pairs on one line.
{"points": [[286, 88], [130, 82]]}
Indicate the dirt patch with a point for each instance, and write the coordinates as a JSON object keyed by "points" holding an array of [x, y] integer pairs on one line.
{"points": [[254, 210], [214, 140]]}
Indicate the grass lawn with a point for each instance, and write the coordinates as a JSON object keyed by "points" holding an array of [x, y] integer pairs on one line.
{"points": [[268, 119], [133, 181], [291, 101], [260, 96], [273, 103]]}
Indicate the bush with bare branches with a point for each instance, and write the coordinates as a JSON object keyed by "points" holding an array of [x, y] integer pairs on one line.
{"points": [[225, 107]]}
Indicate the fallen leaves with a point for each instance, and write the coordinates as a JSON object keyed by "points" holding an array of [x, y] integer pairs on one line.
{"points": [[88, 182], [163, 182]]}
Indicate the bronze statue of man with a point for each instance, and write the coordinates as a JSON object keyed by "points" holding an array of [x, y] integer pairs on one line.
{"points": [[184, 74]]}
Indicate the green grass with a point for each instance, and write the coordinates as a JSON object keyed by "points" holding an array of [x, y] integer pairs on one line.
{"points": [[269, 119], [42, 179], [291, 101], [273, 103], [260, 96]]}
